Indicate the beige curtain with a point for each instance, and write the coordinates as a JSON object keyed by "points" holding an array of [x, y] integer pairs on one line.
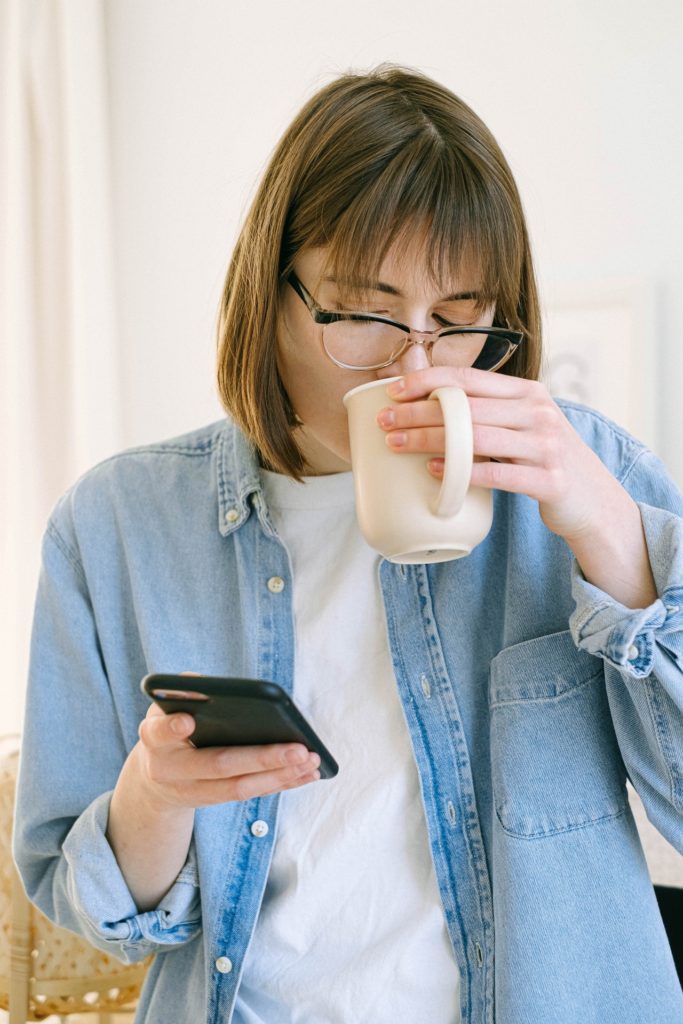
{"points": [[59, 381]]}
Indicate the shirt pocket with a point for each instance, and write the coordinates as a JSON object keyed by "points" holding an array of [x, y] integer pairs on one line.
{"points": [[556, 764]]}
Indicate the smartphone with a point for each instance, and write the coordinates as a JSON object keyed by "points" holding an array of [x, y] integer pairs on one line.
{"points": [[231, 712]]}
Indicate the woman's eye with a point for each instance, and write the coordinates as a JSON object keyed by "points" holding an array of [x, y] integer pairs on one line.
{"points": [[452, 321], [455, 319], [339, 307]]}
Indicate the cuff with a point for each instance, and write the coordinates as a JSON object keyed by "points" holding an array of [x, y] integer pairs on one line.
{"points": [[628, 638], [99, 894]]}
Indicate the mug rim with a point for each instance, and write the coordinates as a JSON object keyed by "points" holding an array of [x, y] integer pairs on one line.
{"points": [[369, 384]]}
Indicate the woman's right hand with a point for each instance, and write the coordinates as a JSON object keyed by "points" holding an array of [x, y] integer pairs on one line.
{"points": [[176, 774], [162, 781]]}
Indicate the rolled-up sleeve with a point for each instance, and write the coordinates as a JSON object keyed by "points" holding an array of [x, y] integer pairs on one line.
{"points": [[634, 640], [643, 653], [72, 752], [98, 893]]}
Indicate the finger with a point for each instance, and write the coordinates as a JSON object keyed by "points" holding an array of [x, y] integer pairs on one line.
{"points": [[158, 729], [246, 787], [209, 763], [420, 439], [484, 383], [508, 476], [231, 762], [411, 414], [503, 443], [515, 413]]}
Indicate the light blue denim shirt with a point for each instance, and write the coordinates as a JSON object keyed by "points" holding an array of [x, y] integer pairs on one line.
{"points": [[529, 694]]}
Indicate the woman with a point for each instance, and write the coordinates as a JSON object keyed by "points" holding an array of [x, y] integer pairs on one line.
{"points": [[475, 859]]}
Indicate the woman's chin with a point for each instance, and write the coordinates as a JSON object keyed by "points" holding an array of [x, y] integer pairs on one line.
{"points": [[323, 457]]}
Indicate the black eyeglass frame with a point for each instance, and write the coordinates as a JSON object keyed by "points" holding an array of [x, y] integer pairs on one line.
{"points": [[328, 316]]}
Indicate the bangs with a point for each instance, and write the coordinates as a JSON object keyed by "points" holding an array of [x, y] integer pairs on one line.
{"points": [[429, 201], [376, 164]]}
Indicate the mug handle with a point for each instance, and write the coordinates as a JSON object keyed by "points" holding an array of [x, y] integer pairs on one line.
{"points": [[457, 468]]}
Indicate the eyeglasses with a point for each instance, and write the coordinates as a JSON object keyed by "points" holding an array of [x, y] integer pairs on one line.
{"points": [[366, 341]]}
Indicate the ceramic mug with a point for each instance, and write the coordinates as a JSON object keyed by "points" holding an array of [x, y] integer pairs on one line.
{"points": [[403, 511]]}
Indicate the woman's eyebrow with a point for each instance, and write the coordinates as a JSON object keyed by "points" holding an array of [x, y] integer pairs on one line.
{"points": [[388, 289]]}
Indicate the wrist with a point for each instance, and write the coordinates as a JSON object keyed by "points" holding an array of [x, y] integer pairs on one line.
{"points": [[612, 554], [144, 799]]}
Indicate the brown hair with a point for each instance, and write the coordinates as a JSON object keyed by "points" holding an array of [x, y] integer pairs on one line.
{"points": [[370, 159]]}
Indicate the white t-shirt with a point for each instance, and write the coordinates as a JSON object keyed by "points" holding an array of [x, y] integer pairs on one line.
{"points": [[351, 928]]}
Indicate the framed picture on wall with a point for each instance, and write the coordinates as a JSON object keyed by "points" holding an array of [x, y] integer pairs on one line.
{"points": [[600, 349]]}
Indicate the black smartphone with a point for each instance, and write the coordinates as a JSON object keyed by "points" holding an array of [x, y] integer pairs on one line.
{"points": [[231, 712]]}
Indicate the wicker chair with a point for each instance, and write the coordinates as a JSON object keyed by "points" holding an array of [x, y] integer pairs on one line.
{"points": [[44, 969]]}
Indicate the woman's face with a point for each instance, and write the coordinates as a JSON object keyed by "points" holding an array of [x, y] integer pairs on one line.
{"points": [[316, 385]]}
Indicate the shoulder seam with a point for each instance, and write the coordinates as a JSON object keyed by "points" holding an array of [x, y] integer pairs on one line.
{"points": [[638, 449], [629, 469], [161, 449], [70, 555]]}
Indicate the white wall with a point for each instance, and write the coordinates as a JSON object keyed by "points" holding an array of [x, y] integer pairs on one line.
{"points": [[584, 99]]}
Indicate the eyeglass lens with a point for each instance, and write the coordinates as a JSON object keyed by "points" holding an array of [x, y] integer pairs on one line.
{"points": [[366, 343]]}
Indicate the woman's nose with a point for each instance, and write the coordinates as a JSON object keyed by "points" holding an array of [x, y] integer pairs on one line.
{"points": [[413, 358]]}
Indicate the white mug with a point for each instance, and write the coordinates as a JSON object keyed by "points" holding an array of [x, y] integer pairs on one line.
{"points": [[403, 511]]}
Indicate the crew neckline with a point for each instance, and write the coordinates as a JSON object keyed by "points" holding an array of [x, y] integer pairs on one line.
{"points": [[314, 492]]}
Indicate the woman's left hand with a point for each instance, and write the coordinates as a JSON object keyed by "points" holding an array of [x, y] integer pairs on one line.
{"points": [[516, 423], [536, 450], [538, 453]]}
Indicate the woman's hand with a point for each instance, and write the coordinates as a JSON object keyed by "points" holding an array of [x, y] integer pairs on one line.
{"points": [[536, 452], [162, 781], [175, 774], [516, 423]]}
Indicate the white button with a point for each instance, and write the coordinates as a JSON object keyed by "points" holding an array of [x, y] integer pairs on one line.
{"points": [[632, 652], [232, 515], [224, 964], [276, 584], [671, 608], [260, 829]]}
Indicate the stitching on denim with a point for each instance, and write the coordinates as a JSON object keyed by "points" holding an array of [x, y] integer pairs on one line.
{"points": [[547, 833], [584, 621], [204, 448], [666, 748], [614, 429], [419, 577], [525, 701], [62, 545], [629, 469], [475, 841]]}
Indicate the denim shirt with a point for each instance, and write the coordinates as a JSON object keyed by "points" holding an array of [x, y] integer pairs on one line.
{"points": [[529, 694]]}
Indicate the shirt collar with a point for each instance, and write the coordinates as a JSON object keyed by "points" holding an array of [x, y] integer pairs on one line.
{"points": [[237, 479]]}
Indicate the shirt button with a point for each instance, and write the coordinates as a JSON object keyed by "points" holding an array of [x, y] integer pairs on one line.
{"points": [[224, 964], [632, 653], [276, 584], [259, 829], [232, 515]]}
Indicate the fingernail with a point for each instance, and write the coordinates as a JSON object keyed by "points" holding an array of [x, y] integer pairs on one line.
{"points": [[397, 386], [296, 755], [436, 466], [179, 725], [386, 418], [398, 439]]}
